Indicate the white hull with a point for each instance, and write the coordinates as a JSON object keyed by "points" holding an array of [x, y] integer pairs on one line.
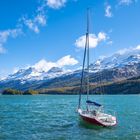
{"points": [[99, 119]]}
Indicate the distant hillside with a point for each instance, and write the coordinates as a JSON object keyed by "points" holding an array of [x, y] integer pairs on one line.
{"points": [[18, 92], [130, 86], [119, 87]]}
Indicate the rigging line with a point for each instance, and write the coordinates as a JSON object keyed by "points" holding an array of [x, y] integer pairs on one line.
{"points": [[81, 81]]}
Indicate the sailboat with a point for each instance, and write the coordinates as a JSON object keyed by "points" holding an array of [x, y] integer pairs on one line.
{"points": [[94, 112]]}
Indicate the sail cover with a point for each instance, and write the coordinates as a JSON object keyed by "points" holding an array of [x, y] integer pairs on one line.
{"points": [[93, 103]]}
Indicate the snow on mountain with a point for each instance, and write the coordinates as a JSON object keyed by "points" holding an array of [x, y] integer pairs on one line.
{"points": [[120, 59], [43, 70], [35, 74], [40, 71], [125, 60]]}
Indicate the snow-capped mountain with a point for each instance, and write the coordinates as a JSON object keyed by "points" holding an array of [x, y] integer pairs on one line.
{"points": [[120, 59], [121, 65], [32, 74], [41, 71]]}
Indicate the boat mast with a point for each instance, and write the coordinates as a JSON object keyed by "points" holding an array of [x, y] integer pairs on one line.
{"points": [[87, 38], [86, 52]]}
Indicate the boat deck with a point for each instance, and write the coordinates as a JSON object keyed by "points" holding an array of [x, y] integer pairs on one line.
{"points": [[101, 118]]}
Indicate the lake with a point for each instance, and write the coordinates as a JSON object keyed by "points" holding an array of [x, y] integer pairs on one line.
{"points": [[54, 117]]}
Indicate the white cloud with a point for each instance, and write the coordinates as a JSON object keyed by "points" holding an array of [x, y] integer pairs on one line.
{"points": [[4, 35], [66, 60], [108, 12], [56, 4], [36, 22], [9, 33], [123, 51], [126, 2], [44, 65], [40, 19], [93, 40], [129, 50], [101, 36], [31, 25], [110, 42]]}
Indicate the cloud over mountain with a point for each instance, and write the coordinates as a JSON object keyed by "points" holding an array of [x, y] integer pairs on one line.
{"points": [[43, 69], [129, 50], [44, 65]]}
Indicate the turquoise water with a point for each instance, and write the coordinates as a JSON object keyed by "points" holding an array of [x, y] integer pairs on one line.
{"points": [[53, 117]]}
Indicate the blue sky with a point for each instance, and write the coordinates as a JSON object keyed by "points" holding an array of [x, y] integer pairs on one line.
{"points": [[53, 30]]}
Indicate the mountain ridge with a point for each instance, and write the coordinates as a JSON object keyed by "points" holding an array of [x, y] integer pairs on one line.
{"points": [[117, 67]]}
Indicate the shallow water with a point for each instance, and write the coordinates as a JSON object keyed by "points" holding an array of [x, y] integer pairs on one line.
{"points": [[54, 117]]}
